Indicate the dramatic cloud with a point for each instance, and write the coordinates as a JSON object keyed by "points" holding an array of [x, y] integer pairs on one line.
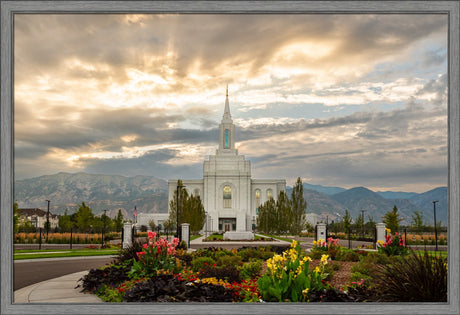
{"points": [[341, 100]]}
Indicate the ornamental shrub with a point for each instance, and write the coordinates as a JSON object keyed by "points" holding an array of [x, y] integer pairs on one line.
{"points": [[201, 262], [229, 261], [251, 270], [346, 254]]}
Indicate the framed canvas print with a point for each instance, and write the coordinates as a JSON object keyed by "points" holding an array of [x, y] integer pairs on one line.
{"points": [[106, 105]]}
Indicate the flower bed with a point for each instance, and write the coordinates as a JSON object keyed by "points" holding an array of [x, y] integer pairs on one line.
{"points": [[159, 272]]}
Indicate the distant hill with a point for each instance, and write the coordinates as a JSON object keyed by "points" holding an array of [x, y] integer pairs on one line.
{"points": [[324, 189], [425, 200], [112, 192], [150, 195], [397, 194]]}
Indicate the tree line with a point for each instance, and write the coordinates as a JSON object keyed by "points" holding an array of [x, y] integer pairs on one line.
{"points": [[285, 215], [83, 220]]}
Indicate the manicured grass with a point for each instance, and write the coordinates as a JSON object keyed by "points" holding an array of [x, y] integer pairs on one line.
{"points": [[33, 254], [194, 237], [278, 237]]}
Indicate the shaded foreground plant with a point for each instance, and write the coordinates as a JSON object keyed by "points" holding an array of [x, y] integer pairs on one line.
{"points": [[415, 278], [167, 288], [111, 275]]}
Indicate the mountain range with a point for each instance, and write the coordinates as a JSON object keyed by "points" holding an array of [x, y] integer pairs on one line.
{"points": [[150, 195]]}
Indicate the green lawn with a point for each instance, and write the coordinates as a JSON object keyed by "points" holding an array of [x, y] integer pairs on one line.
{"points": [[278, 237], [33, 254], [193, 237]]}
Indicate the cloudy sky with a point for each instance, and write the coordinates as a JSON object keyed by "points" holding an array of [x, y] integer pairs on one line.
{"points": [[339, 100]]}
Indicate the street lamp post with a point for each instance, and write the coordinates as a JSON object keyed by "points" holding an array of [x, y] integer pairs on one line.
{"points": [[47, 220], [362, 214], [103, 228], [435, 229], [177, 210]]}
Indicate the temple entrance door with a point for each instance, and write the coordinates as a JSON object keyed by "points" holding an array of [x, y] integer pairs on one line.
{"points": [[227, 227]]}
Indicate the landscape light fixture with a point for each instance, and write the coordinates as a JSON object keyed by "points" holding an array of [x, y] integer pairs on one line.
{"points": [[435, 229]]}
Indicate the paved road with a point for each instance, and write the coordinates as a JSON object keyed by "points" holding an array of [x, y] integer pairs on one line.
{"points": [[30, 271]]}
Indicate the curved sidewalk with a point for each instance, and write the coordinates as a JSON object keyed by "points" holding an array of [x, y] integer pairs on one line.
{"points": [[58, 290]]}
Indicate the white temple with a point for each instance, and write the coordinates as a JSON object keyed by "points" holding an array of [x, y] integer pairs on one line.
{"points": [[230, 196]]}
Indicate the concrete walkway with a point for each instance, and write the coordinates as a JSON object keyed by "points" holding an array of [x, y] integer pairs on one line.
{"points": [[58, 290]]}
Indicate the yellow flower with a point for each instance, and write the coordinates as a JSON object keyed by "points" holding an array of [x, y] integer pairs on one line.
{"points": [[304, 260], [324, 259], [305, 292], [388, 230], [294, 244], [379, 242], [314, 243], [317, 270]]}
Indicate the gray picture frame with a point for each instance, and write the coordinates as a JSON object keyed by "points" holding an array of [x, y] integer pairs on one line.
{"points": [[10, 8]]}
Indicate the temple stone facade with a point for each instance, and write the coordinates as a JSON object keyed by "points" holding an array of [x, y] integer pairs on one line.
{"points": [[230, 195]]}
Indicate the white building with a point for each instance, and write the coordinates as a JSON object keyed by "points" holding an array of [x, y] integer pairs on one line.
{"points": [[157, 218], [229, 195]]}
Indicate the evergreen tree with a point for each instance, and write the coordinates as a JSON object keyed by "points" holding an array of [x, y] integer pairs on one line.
{"points": [[298, 208], [347, 221], [193, 213], [84, 218], [359, 222], [283, 214], [266, 220], [118, 221], [391, 219]]}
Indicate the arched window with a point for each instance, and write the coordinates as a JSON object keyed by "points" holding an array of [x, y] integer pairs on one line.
{"points": [[227, 196], [196, 192], [269, 194], [257, 196]]}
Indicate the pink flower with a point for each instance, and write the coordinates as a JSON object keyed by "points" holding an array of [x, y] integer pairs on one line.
{"points": [[145, 246], [151, 234], [139, 254], [175, 241]]}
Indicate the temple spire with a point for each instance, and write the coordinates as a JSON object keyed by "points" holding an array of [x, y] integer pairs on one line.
{"points": [[227, 116]]}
